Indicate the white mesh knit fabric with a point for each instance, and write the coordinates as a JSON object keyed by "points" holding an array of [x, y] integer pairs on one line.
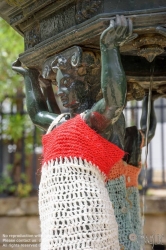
{"points": [[75, 209]]}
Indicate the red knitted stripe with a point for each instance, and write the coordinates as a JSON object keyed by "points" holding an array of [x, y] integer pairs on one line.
{"points": [[75, 138]]}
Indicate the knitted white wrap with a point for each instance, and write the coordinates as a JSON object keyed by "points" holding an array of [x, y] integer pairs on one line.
{"points": [[75, 209]]}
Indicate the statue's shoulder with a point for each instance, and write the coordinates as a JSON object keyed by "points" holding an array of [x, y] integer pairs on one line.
{"points": [[60, 119]]}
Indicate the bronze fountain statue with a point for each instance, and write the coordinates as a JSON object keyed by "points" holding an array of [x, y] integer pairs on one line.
{"points": [[69, 47], [104, 116]]}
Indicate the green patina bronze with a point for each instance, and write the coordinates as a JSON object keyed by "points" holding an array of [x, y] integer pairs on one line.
{"points": [[104, 116], [113, 84]]}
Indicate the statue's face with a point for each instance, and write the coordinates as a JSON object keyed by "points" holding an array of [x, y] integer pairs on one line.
{"points": [[67, 90]]}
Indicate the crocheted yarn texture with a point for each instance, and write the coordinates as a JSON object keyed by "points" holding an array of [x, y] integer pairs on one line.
{"points": [[124, 195], [75, 210], [130, 172], [75, 138], [126, 206], [74, 205]]}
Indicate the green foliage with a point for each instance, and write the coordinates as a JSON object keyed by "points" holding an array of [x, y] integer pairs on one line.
{"points": [[12, 84], [21, 189], [15, 124], [7, 185], [11, 44]]}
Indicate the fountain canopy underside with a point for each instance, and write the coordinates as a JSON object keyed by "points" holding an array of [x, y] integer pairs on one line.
{"points": [[51, 28]]}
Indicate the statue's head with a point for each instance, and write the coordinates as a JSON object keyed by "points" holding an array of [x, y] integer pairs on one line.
{"points": [[76, 74], [71, 90]]}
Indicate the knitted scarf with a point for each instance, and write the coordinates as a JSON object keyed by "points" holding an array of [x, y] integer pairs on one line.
{"points": [[74, 205], [75, 138]]}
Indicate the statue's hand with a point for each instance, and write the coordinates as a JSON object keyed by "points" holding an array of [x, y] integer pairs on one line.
{"points": [[119, 32], [16, 63], [16, 66]]}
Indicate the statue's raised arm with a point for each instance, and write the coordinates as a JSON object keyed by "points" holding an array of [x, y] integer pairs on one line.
{"points": [[36, 103], [113, 80]]}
